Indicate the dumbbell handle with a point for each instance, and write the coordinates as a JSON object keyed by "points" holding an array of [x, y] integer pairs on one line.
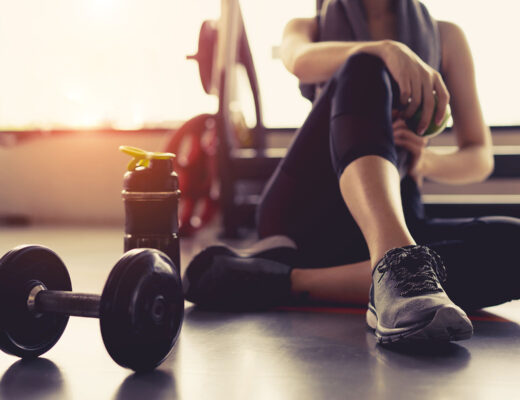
{"points": [[41, 300]]}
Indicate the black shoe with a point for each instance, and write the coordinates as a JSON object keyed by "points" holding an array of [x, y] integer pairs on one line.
{"points": [[256, 278]]}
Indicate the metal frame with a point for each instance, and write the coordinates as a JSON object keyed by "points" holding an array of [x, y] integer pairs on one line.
{"points": [[232, 48]]}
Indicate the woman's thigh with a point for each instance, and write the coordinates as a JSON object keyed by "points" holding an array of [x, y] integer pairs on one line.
{"points": [[302, 198]]}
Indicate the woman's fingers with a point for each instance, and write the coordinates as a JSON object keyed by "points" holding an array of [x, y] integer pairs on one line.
{"points": [[405, 89], [409, 138], [443, 99], [427, 90], [399, 123], [417, 83], [428, 105], [415, 148], [414, 101]]}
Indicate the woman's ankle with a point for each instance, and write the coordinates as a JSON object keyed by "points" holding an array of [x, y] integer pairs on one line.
{"points": [[378, 253], [296, 279], [300, 293]]}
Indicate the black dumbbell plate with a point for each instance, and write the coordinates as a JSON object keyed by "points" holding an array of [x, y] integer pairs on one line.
{"points": [[141, 310], [22, 332]]}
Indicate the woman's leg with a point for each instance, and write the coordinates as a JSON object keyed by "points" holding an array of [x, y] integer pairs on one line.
{"points": [[406, 300], [365, 159], [344, 284], [481, 257], [303, 199], [350, 283], [376, 204], [480, 254]]}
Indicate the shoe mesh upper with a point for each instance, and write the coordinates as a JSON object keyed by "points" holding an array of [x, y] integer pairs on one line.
{"points": [[416, 270]]}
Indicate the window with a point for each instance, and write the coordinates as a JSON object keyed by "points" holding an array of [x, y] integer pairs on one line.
{"points": [[121, 63], [282, 104], [91, 63]]}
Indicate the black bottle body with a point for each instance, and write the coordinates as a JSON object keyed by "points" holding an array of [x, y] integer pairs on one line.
{"points": [[151, 198]]}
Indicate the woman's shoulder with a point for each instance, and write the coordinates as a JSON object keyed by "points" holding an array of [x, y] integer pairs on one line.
{"points": [[450, 30], [453, 41]]}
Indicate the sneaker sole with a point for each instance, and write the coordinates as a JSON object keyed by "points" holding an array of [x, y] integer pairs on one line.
{"points": [[448, 324]]}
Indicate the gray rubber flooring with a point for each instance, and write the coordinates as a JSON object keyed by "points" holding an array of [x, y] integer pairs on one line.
{"points": [[303, 353]]}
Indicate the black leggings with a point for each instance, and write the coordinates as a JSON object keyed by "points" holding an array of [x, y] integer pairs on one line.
{"points": [[350, 119]]}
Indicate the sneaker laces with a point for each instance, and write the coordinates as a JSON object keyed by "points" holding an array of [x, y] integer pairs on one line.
{"points": [[415, 269]]}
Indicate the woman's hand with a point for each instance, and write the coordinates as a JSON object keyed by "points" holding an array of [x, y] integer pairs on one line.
{"points": [[415, 145], [418, 83]]}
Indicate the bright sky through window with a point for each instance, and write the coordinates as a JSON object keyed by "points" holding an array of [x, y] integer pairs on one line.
{"points": [[121, 63], [84, 63]]}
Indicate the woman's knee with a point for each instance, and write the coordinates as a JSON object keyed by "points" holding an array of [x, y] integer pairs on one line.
{"points": [[360, 64], [363, 85], [361, 122]]}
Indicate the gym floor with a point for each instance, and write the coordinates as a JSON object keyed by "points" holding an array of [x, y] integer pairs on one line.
{"points": [[308, 353]]}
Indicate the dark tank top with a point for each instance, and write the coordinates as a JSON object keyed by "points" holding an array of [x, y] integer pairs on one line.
{"points": [[345, 20]]}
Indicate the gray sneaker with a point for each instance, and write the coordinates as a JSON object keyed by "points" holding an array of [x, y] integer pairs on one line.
{"points": [[407, 302]]}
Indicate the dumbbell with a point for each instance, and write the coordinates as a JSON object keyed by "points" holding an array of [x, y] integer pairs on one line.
{"points": [[140, 310]]}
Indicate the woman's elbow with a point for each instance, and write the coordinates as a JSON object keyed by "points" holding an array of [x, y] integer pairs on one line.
{"points": [[487, 164], [300, 71], [290, 64], [295, 64], [490, 167]]}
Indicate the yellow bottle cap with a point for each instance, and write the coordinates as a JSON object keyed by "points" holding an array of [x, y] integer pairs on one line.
{"points": [[141, 158]]}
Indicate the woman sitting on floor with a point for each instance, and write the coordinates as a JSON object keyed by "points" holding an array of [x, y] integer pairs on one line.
{"points": [[341, 219]]}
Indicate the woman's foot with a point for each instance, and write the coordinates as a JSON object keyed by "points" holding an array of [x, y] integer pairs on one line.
{"points": [[407, 301], [223, 278]]}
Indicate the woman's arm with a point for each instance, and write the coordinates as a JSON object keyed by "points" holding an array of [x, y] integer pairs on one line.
{"points": [[317, 62], [473, 161]]}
